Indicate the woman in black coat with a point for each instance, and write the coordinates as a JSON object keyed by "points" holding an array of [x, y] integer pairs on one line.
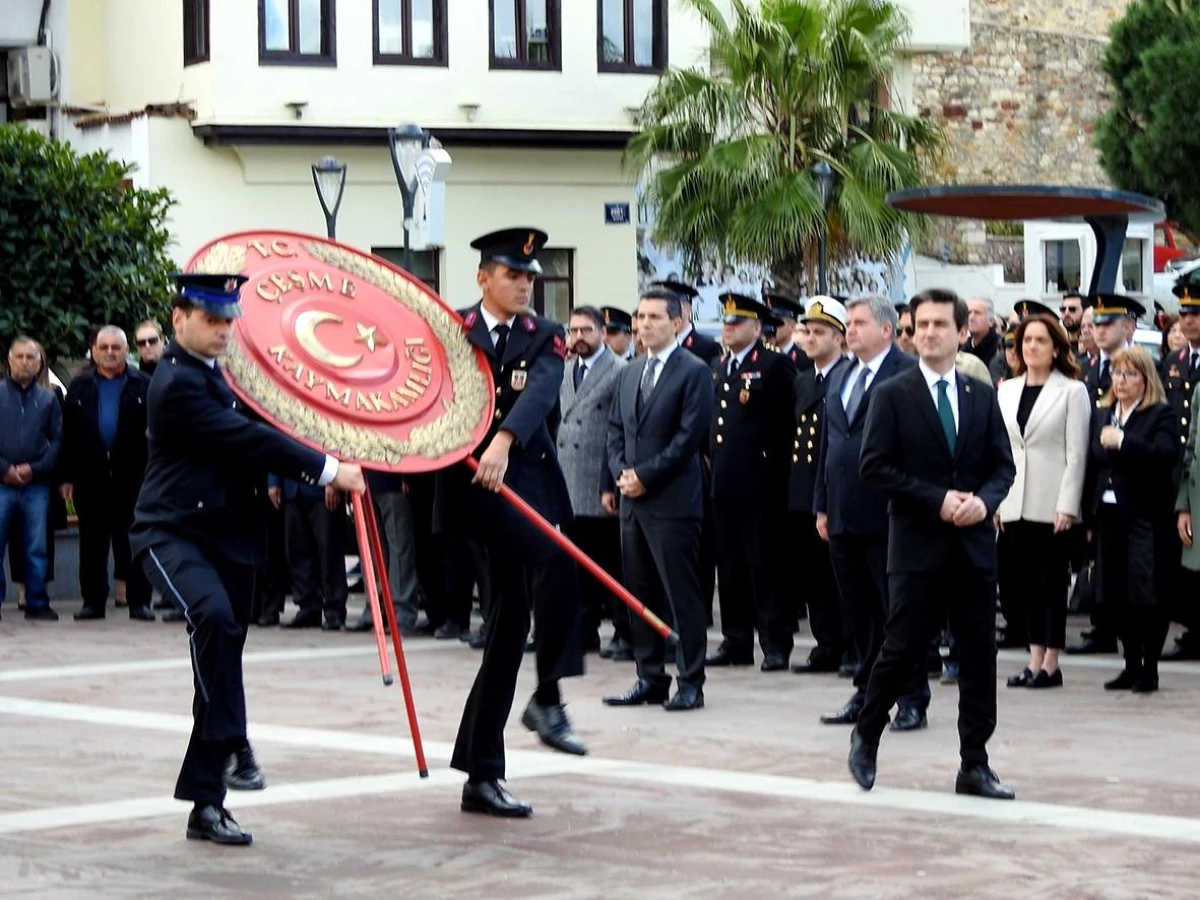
{"points": [[1130, 498]]}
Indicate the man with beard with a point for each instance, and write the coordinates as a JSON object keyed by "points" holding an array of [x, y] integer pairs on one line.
{"points": [[904, 331], [1072, 316]]}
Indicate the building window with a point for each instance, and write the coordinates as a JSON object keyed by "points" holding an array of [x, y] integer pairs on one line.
{"points": [[525, 34], [425, 263], [195, 31], [554, 290], [632, 35], [410, 32], [1063, 270], [1131, 265], [296, 32]]}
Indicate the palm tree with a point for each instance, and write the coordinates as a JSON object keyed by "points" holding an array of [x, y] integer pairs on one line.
{"points": [[726, 154]]}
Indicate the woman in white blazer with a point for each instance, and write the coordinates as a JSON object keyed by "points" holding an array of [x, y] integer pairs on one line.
{"points": [[1047, 412]]}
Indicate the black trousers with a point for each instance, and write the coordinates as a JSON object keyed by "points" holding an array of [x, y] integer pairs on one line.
{"points": [[527, 570], [818, 587], [708, 557], [1013, 577], [749, 544], [314, 544], [447, 568], [600, 538], [662, 569], [1132, 570], [921, 604], [1039, 574], [860, 567], [273, 579], [216, 598], [105, 516]]}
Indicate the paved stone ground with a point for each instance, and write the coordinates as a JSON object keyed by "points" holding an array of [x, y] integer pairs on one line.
{"points": [[749, 797]]}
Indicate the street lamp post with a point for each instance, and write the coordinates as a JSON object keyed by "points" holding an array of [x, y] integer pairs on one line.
{"points": [[823, 175], [407, 143], [329, 178]]}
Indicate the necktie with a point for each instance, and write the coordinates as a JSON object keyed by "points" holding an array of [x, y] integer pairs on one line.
{"points": [[1194, 362], [501, 340], [945, 414], [647, 380], [1104, 379], [579, 370], [820, 378], [856, 393], [733, 366]]}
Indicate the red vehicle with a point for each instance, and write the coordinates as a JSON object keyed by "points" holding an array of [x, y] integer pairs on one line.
{"points": [[1172, 242]]}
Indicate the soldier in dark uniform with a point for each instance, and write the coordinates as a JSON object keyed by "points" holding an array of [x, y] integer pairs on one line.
{"points": [[824, 322], [618, 332], [199, 529], [1180, 374], [787, 310], [526, 353], [690, 339], [751, 450]]}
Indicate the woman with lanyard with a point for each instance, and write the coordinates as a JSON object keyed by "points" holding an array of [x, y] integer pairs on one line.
{"points": [[1133, 453]]}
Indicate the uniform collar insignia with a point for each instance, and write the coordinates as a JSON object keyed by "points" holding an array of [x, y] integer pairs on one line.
{"points": [[469, 321], [528, 324]]}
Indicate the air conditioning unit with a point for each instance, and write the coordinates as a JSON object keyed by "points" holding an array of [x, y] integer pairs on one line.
{"points": [[31, 76]]}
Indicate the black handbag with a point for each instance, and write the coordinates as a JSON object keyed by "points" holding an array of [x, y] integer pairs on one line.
{"points": [[1083, 597]]}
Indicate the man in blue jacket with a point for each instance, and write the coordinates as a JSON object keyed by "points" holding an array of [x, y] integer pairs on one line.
{"points": [[30, 441]]}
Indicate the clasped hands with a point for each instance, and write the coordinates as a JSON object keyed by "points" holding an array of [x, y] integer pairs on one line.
{"points": [[18, 476], [630, 485], [962, 509]]}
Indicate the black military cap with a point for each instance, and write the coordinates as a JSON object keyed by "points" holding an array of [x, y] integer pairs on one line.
{"points": [[516, 248], [217, 295], [686, 292], [1110, 307], [1010, 337], [1187, 289], [616, 319], [735, 307], [1026, 308], [783, 306]]}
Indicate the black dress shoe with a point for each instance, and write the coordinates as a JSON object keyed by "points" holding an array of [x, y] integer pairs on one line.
{"points": [[1022, 679], [41, 614], [774, 662], [1145, 684], [847, 715], [490, 798], [1124, 681], [980, 781], [364, 623], [142, 614], [641, 694], [478, 640], [242, 772], [950, 673], [333, 623], [449, 631], [268, 620], [814, 665], [88, 614], [553, 727], [847, 670], [909, 719], [730, 656], [163, 603], [214, 823], [1186, 648], [862, 761], [623, 652], [309, 619], [1094, 644], [686, 698], [175, 615], [1044, 679]]}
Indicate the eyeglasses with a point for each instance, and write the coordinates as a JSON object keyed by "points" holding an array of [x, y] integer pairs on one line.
{"points": [[147, 342], [1126, 375], [582, 329], [908, 331]]}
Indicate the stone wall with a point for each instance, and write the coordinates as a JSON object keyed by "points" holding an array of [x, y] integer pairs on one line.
{"points": [[1020, 105]]}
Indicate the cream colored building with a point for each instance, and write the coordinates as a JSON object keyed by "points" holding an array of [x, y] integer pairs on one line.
{"points": [[229, 102]]}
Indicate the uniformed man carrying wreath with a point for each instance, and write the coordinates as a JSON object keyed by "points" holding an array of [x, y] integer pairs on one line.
{"points": [[199, 530]]}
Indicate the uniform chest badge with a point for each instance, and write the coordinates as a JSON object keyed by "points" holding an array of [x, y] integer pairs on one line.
{"points": [[1173, 372], [519, 379], [744, 396]]}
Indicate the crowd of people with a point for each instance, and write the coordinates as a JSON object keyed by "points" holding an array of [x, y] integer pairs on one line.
{"points": [[913, 465]]}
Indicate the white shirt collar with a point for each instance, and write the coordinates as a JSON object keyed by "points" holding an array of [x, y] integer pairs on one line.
{"points": [[211, 363], [788, 349], [593, 359], [491, 321], [874, 364], [741, 357], [932, 377], [829, 368], [683, 335], [664, 354]]}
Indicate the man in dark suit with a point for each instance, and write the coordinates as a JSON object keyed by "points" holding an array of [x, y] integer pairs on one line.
{"points": [[526, 354], [686, 335], [199, 531], [660, 418], [936, 447], [851, 515], [104, 462], [824, 324], [313, 519], [750, 447]]}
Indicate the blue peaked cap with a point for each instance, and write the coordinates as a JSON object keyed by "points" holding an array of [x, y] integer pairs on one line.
{"points": [[217, 295]]}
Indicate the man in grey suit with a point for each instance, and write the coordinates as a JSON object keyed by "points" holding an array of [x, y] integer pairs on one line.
{"points": [[585, 399], [659, 422]]}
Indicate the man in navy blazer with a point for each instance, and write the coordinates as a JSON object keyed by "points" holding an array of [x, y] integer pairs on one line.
{"points": [[935, 445], [660, 417], [853, 516]]}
